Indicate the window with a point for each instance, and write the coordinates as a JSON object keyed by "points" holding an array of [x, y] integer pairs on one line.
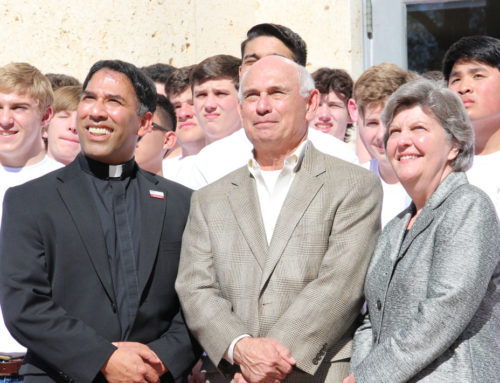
{"points": [[416, 34]]}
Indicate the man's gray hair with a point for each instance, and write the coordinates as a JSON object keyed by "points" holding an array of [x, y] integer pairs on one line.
{"points": [[442, 104], [306, 82]]}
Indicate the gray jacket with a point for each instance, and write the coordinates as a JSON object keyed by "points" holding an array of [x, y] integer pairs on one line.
{"points": [[433, 294]]}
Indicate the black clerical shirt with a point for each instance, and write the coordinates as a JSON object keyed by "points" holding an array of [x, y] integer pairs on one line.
{"points": [[103, 179]]}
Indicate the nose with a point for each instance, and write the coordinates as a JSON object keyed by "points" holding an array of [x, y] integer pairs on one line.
{"points": [[72, 123], [323, 114], [464, 86], [6, 119], [98, 111], [403, 139], [210, 103], [380, 133], [263, 106], [185, 112]]}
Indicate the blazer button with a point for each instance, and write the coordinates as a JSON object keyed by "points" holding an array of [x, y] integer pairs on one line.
{"points": [[113, 307], [374, 337], [379, 304]]}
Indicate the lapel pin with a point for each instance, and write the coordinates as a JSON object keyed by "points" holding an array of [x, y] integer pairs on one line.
{"points": [[156, 194]]}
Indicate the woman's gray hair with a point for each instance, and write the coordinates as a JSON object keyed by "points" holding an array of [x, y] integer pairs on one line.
{"points": [[305, 80], [442, 104]]}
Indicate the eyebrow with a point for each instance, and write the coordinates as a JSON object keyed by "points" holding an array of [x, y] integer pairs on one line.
{"points": [[251, 56], [107, 95], [470, 70]]}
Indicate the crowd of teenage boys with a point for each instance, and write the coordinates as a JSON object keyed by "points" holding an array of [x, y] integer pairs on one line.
{"points": [[197, 136]]}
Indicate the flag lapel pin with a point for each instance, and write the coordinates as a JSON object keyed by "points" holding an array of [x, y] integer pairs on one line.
{"points": [[156, 194]]}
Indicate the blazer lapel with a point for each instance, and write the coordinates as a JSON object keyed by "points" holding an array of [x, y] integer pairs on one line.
{"points": [[152, 217], [305, 186], [76, 195], [246, 209], [450, 183]]}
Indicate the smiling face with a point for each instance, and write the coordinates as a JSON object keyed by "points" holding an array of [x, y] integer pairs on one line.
{"points": [[275, 114], [21, 123], [371, 131], [108, 124], [63, 143], [419, 151], [332, 115], [216, 105]]}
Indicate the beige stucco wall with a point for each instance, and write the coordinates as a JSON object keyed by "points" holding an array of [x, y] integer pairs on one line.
{"points": [[67, 36]]}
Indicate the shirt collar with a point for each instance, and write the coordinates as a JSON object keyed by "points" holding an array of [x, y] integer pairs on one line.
{"points": [[293, 161], [107, 171]]}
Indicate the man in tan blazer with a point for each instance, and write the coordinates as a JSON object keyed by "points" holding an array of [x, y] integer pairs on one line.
{"points": [[274, 254]]}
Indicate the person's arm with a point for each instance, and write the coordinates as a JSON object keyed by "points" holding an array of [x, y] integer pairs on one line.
{"points": [[176, 349], [66, 343], [464, 259], [329, 305], [209, 315], [363, 341]]}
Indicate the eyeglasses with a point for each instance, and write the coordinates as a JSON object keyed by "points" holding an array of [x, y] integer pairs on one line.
{"points": [[155, 125]]}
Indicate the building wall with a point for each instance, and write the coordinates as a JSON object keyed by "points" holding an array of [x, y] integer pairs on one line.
{"points": [[68, 36]]}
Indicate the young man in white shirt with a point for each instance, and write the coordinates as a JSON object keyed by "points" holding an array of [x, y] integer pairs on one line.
{"points": [[25, 108], [370, 93], [471, 68], [214, 83]]}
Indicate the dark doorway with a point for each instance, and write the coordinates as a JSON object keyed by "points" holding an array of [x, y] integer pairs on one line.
{"points": [[432, 28]]}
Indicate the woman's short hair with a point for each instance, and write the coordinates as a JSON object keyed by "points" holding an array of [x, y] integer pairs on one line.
{"points": [[442, 104]]}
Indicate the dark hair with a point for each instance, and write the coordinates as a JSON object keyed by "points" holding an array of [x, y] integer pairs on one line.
{"points": [[288, 37], [178, 81], [158, 72], [480, 48], [338, 80], [215, 67], [144, 87], [58, 80], [163, 104]]}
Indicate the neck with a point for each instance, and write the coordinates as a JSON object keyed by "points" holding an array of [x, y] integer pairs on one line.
{"points": [[272, 160], [19, 162], [193, 148], [387, 173], [153, 167], [174, 152], [487, 136]]}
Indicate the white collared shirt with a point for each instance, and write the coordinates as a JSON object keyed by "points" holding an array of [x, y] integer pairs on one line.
{"points": [[273, 186], [223, 156]]}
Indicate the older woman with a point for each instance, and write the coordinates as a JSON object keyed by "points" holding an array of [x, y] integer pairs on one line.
{"points": [[433, 283]]}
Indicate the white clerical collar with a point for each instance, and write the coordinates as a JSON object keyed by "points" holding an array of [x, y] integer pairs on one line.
{"points": [[115, 171]]}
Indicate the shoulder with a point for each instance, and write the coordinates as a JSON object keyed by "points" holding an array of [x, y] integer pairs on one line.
{"points": [[328, 144], [340, 170], [462, 195], [224, 185]]}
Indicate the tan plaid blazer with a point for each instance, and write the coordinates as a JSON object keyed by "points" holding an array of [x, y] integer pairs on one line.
{"points": [[305, 288]]}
